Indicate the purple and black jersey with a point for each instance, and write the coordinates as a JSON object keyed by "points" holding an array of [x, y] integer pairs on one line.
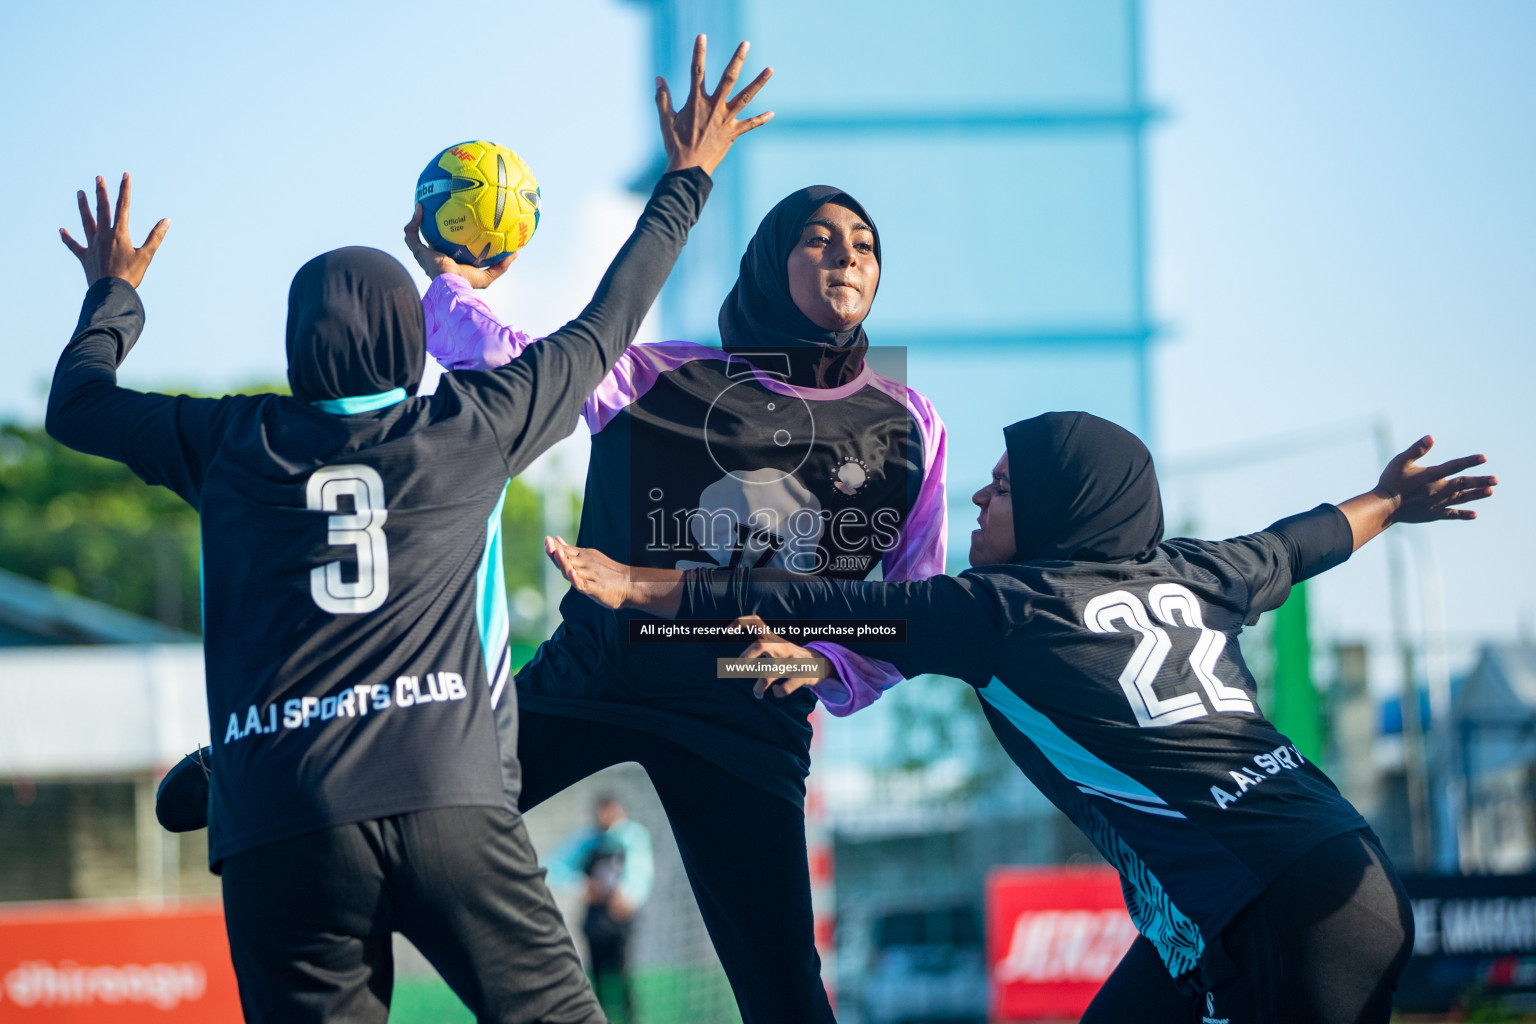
{"points": [[702, 458], [1120, 691]]}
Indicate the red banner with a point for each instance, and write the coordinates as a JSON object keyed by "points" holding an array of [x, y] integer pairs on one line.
{"points": [[1053, 936], [116, 965]]}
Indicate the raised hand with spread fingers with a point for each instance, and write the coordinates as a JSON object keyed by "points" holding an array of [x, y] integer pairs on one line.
{"points": [[703, 130], [109, 250], [1410, 493]]}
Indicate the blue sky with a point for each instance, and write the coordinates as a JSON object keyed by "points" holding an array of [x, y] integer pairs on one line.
{"points": [[1344, 229], [1342, 224], [270, 133]]}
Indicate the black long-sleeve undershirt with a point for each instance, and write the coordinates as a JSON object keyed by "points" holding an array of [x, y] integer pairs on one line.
{"points": [[955, 625], [950, 626]]}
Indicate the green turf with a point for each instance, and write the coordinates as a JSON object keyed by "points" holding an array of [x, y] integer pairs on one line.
{"points": [[427, 1001], [680, 995]]}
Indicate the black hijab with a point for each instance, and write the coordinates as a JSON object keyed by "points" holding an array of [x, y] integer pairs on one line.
{"points": [[758, 316], [1084, 490], [355, 326]]}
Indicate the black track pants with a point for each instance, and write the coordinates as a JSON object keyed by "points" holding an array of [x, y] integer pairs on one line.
{"points": [[608, 949], [310, 918], [743, 848], [1323, 944]]}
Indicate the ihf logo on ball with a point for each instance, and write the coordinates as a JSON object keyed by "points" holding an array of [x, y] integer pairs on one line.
{"points": [[479, 203]]}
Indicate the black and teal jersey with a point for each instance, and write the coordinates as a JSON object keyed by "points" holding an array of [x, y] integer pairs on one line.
{"points": [[1120, 690], [355, 624]]}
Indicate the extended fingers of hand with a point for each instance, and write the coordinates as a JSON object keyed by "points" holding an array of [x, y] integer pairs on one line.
{"points": [[664, 102], [1470, 492], [1456, 465], [746, 95], [1483, 485], [697, 85], [123, 190], [74, 246], [155, 237], [103, 206], [742, 127], [1418, 449], [87, 222], [732, 71]]}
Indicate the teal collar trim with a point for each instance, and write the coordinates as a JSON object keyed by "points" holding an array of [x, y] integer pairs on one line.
{"points": [[360, 403]]}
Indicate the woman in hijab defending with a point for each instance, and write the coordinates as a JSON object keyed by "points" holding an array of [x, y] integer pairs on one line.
{"points": [[784, 449], [1107, 664], [348, 632]]}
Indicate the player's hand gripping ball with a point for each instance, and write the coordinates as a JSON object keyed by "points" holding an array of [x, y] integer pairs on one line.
{"points": [[480, 203]]}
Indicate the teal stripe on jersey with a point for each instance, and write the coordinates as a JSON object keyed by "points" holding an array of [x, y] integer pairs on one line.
{"points": [[354, 404], [1071, 758], [1176, 938], [491, 603]]}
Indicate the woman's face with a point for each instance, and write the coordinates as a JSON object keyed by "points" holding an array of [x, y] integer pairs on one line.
{"points": [[992, 542], [832, 269]]}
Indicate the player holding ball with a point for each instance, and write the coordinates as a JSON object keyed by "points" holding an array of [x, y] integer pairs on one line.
{"points": [[357, 786]]}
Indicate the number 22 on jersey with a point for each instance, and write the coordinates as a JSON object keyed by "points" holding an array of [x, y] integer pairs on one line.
{"points": [[362, 529], [1170, 602]]}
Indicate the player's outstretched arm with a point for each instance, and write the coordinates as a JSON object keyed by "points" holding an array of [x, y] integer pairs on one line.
{"points": [[164, 439], [948, 625], [535, 399], [1410, 493]]}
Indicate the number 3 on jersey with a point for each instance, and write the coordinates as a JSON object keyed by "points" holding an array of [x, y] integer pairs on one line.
{"points": [[1170, 602], [362, 528]]}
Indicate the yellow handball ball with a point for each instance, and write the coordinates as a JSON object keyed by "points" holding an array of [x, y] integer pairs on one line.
{"points": [[480, 203]]}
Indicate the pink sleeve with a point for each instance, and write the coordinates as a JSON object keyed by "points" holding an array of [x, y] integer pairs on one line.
{"points": [[634, 373], [462, 332], [860, 681], [919, 554], [924, 543]]}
